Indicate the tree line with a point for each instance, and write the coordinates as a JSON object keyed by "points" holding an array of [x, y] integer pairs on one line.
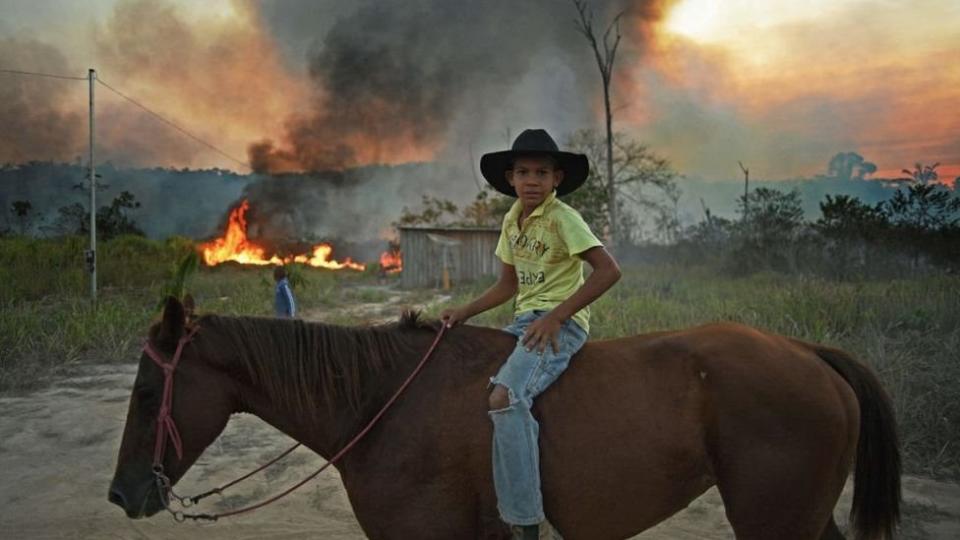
{"points": [[113, 219], [915, 231]]}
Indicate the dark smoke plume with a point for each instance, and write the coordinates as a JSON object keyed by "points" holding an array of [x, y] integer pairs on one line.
{"points": [[401, 80], [37, 115]]}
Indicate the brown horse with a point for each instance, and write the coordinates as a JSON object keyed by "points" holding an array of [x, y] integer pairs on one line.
{"points": [[636, 429]]}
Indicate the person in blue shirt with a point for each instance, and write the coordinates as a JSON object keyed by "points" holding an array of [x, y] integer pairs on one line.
{"points": [[283, 302]]}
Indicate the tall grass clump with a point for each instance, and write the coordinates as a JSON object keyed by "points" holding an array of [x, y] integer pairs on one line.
{"points": [[46, 317], [180, 274], [39, 337], [47, 320], [34, 268]]}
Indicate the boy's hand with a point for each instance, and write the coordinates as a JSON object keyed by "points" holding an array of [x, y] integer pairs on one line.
{"points": [[541, 332], [454, 316]]}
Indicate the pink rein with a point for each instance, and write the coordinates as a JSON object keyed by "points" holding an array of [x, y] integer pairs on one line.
{"points": [[167, 428]]}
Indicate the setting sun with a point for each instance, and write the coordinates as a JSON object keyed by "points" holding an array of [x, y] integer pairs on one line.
{"points": [[694, 19], [715, 21]]}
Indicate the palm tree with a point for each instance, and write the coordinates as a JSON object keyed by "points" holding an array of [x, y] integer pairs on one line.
{"points": [[922, 174]]}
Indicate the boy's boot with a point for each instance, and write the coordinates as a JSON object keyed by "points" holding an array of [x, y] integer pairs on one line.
{"points": [[547, 532], [525, 532], [542, 531]]}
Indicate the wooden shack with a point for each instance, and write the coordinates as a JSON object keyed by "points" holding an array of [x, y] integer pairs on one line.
{"points": [[463, 253]]}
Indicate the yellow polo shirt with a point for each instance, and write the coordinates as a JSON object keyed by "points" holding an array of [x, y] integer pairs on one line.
{"points": [[544, 253]]}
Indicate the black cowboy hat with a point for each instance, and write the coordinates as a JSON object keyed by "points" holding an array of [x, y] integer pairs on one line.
{"points": [[494, 165]]}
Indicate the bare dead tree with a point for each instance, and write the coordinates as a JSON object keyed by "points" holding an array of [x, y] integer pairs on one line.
{"points": [[746, 189], [605, 51], [642, 179]]}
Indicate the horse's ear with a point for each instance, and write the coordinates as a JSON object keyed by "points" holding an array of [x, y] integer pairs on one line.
{"points": [[171, 326], [189, 308]]}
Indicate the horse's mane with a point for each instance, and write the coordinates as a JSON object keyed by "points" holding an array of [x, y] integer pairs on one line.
{"points": [[303, 364]]}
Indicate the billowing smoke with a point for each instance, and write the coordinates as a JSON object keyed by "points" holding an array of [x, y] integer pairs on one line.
{"points": [[38, 118], [302, 86], [354, 208], [221, 79], [333, 88], [406, 81], [392, 83], [308, 85]]}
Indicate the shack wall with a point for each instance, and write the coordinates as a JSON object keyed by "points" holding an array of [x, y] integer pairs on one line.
{"points": [[423, 258]]}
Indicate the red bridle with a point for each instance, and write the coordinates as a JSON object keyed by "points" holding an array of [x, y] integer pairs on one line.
{"points": [[167, 427]]}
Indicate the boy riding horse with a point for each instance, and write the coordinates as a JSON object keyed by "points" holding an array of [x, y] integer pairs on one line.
{"points": [[543, 243]]}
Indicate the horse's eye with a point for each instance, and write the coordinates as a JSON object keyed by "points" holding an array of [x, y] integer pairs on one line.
{"points": [[144, 394]]}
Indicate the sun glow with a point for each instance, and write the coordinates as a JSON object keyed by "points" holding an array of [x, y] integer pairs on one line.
{"points": [[754, 34], [220, 9], [693, 18], [725, 20]]}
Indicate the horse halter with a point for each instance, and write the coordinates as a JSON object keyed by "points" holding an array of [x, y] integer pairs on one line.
{"points": [[166, 427]]}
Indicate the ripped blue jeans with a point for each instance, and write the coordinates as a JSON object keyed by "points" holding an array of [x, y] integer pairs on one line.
{"points": [[516, 454]]}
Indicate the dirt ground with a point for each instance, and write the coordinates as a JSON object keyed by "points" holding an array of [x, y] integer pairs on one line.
{"points": [[58, 448]]}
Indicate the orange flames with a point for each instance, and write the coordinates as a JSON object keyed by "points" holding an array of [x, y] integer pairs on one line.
{"points": [[391, 262], [234, 246]]}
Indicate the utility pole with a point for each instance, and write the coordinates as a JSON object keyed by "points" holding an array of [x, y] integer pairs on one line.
{"points": [[91, 255]]}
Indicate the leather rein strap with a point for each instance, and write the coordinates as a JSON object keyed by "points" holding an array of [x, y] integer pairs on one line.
{"points": [[167, 429]]}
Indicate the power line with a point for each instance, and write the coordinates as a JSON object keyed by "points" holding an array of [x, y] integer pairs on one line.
{"points": [[35, 74], [135, 102], [173, 125]]}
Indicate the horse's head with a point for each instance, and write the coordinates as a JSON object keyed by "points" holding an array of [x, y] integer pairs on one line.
{"points": [[202, 397]]}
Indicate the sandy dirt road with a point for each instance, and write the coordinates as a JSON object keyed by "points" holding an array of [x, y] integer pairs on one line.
{"points": [[58, 448]]}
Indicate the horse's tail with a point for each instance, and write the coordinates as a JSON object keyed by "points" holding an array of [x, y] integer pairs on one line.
{"points": [[876, 489]]}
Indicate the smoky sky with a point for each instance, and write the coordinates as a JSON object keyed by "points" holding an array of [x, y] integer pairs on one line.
{"points": [[432, 73], [386, 81], [305, 85], [34, 123]]}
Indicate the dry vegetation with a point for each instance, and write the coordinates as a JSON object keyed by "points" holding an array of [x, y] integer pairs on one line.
{"points": [[908, 329]]}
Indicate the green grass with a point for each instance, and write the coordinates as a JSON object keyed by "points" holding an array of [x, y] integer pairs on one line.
{"points": [[908, 330], [368, 295], [47, 321], [33, 269]]}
